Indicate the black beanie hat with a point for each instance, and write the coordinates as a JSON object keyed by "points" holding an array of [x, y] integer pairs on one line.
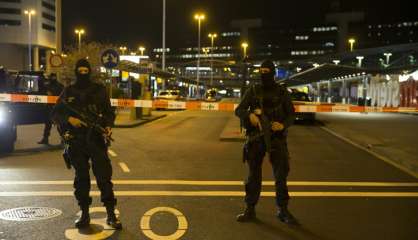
{"points": [[82, 63], [269, 64]]}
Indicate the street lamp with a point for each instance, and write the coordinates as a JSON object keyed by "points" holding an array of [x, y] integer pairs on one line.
{"points": [[79, 32], [244, 46], [30, 13], [387, 55], [359, 59], [199, 17], [164, 35], [123, 49], [141, 49], [336, 61], [212, 37], [351, 41], [206, 51]]}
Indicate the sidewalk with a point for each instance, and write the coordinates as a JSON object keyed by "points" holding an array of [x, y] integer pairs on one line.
{"points": [[232, 131], [123, 119]]}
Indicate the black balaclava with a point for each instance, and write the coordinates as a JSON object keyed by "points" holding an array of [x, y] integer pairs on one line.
{"points": [[82, 79], [267, 70], [53, 78]]}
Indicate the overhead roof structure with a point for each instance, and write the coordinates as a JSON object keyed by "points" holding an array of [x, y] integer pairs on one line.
{"points": [[129, 66], [330, 71]]}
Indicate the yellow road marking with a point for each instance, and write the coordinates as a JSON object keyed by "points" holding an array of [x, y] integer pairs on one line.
{"points": [[124, 167], [211, 194], [182, 224], [112, 153], [222, 183]]}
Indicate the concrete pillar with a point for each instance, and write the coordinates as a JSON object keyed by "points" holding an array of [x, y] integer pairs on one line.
{"points": [[318, 85], [344, 91], [48, 64], [36, 58], [329, 92], [365, 87], [58, 27]]}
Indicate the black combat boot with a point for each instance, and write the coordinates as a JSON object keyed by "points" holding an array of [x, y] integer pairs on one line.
{"points": [[84, 220], [112, 220], [44, 141], [247, 215], [285, 216]]}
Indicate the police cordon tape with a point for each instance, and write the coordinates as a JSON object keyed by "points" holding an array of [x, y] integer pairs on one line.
{"points": [[303, 107]]}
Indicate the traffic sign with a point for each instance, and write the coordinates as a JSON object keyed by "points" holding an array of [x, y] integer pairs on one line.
{"points": [[56, 60], [110, 58]]}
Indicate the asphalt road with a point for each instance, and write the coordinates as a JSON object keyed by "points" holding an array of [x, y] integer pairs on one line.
{"points": [[179, 166], [392, 135]]}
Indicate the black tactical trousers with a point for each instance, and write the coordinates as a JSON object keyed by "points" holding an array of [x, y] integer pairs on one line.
{"points": [[279, 159], [81, 152], [47, 128]]}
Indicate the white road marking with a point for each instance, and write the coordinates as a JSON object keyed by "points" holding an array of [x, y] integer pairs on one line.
{"points": [[378, 156], [221, 183], [124, 167], [211, 194], [112, 153]]}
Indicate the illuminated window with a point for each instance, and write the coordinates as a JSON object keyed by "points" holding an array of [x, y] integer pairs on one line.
{"points": [[301, 37]]}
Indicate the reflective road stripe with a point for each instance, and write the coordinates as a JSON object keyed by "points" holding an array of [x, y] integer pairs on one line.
{"points": [[223, 183], [212, 194]]}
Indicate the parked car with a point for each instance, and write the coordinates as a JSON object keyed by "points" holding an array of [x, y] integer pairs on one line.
{"points": [[13, 114], [212, 96], [170, 95], [8, 131], [298, 96]]}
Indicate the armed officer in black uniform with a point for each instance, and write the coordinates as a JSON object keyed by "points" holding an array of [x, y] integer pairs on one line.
{"points": [[53, 88], [266, 112], [84, 143]]}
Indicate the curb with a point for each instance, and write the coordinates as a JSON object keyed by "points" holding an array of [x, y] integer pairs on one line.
{"points": [[232, 139], [139, 123], [375, 154]]}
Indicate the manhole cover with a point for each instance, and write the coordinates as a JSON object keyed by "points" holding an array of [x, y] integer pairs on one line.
{"points": [[29, 214]]}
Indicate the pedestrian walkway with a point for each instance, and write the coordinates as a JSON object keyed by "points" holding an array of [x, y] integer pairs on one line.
{"points": [[232, 131]]}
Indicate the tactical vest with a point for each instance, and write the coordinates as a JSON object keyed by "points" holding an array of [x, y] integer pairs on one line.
{"points": [[275, 112]]}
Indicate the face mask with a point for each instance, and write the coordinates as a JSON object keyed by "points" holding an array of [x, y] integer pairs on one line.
{"points": [[267, 78], [83, 77]]}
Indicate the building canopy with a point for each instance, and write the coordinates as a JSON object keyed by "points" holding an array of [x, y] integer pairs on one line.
{"points": [[331, 71]]}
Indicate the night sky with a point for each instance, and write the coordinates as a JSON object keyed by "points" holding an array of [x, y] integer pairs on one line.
{"points": [[135, 22]]}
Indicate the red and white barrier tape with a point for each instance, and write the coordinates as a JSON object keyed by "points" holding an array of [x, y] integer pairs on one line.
{"points": [[209, 106]]}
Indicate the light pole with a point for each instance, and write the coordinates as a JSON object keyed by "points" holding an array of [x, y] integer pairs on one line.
{"points": [[244, 46], [212, 37], [164, 30], [336, 61], [360, 60], [351, 41], [30, 13], [141, 49], [387, 55], [79, 32], [199, 17], [123, 49]]}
